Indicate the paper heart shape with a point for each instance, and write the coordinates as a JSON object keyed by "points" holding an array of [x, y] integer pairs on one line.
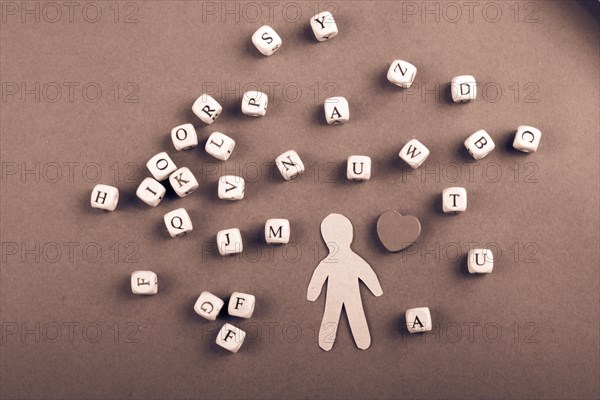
{"points": [[397, 231]]}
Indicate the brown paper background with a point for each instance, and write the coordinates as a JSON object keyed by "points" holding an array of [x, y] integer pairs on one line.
{"points": [[170, 53]]}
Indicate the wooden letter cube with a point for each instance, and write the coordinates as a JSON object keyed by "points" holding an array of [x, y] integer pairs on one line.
{"points": [[277, 231], [230, 338], [104, 197], [480, 261], [241, 305], [290, 165], [219, 146], [454, 200], [231, 187], [358, 168], [184, 137], [255, 103], [144, 282], [178, 222], [463, 88], [527, 139], [229, 241], [266, 40], [479, 144], [402, 73], [418, 320], [183, 182], [151, 192], [414, 153], [337, 110], [161, 166], [208, 306], [323, 26], [207, 109]]}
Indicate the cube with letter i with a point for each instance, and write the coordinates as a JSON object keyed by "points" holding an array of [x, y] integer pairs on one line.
{"points": [[277, 231], [151, 192]]}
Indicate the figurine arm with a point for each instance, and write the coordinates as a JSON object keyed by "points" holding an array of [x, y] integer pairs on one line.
{"points": [[316, 282], [367, 275]]}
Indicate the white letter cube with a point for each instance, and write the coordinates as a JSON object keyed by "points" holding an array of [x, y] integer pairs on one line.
{"points": [[402, 73], [277, 231], [183, 182], [241, 305], [527, 139], [231, 187], [266, 40], [290, 165], [255, 103], [219, 146], [208, 306], [358, 168], [207, 109], [479, 144], [480, 261], [463, 88], [161, 166], [414, 153], [230, 338], [178, 222], [337, 110], [144, 282], [418, 320], [454, 200], [184, 137], [105, 197], [150, 192], [323, 26], [229, 241]]}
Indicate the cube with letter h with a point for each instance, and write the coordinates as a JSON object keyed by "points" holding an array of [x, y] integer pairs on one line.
{"points": [[277, 231], [105, 197]]}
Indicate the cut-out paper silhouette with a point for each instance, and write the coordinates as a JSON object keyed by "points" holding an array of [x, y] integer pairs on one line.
{"points": [[342, 269]]}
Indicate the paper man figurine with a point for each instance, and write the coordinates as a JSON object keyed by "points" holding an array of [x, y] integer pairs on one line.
{"points": [[342, 269]]}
